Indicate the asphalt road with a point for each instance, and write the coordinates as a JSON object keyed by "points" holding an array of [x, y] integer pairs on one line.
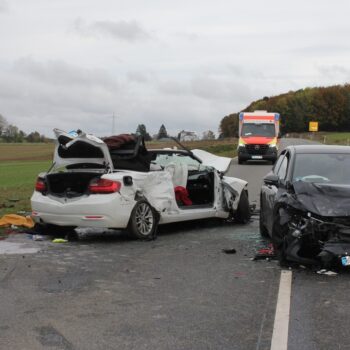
{"points": [[178, 292]]}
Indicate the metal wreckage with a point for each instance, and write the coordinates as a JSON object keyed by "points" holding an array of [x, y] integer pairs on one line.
{"points": [[313, 224]]}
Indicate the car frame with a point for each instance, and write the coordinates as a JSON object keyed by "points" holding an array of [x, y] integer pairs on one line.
{"points": [[92, 192], [301, 217]]}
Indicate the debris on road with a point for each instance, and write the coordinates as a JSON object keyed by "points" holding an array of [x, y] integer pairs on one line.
{"points": [[39, 238], [60, 240], [265, 253], [326, 272], [229, 251], [16, 220]]}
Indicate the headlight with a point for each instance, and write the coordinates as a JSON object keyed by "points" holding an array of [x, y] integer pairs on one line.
{"points": [[241, 144], [272, 145]]}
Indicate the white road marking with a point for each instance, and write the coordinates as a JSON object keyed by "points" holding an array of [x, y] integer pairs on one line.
{"points": [[280, 328]]}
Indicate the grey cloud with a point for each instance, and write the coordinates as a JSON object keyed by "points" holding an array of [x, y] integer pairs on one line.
{"points": [[242, 72], [334, 72], [64, 93], [139, 77], [62, 73], [4, 7], [207, 88], [190, 36], [130, 31], [327, 49]]}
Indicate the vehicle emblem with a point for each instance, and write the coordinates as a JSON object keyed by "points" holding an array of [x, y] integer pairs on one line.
{"points": [[256, 147]]}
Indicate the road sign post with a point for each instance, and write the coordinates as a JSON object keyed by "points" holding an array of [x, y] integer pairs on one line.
{"points": [[313, 126]]}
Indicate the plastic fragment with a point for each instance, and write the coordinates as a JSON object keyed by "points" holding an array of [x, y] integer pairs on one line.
{"points": [[59, 240], [326, 272]]}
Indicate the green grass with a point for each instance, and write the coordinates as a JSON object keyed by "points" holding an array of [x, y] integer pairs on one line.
{"points": [[17, 180], [337, 138], [329, 138]]}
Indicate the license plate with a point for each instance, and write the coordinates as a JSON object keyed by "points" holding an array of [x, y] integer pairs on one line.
{"points": [[345, 260], [256, 157]]}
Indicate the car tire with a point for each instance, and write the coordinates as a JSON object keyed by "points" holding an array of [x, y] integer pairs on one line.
{"points": [[143, 221], [242, 214], [263, 230], [240, 161], [279, 240]]}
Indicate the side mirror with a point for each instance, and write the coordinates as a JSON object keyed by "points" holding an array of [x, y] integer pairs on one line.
{"points": [[271, 179]]}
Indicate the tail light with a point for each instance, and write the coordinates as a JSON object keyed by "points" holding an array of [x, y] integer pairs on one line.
{"points": [[104, 186], [40, 185]]}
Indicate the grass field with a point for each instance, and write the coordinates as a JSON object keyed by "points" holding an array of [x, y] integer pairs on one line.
{"points": [[224, 148], [17, 180], [329, 138]]}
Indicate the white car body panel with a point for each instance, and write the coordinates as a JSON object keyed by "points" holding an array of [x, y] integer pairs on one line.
{"points": [[114, 210], [208, 159]]}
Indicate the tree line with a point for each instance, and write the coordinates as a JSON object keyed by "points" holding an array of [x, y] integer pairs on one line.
{"points": [[329, 106], [163, 134], [10, 133]]}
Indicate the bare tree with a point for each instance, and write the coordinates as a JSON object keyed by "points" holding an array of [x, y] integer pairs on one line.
{"points": [[3, 124]]}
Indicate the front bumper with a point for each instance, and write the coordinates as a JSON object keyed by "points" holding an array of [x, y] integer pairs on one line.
{"points": [[270, 153], [100, 211]]}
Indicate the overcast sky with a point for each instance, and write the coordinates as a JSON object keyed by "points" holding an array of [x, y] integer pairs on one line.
{"points": [[186, 63]]}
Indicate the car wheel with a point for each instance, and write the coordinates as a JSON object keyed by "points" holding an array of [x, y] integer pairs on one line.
{"points": [[143, 221], [240, 161], [262, 228], [279, 240], [242, 214]]}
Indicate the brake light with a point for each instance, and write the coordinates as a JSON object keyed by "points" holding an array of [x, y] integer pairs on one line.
{"points": [[104, 186], [40, 185]]}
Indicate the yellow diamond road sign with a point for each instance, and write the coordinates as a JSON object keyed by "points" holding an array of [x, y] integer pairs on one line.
{"points": [[313, 126]]}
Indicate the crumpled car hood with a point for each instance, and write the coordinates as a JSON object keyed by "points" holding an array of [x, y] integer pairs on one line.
{"points": [[208, 159], [320, 199]]}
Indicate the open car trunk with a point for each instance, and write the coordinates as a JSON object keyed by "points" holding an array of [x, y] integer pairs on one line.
{"points": [[70, 184], [74, 149]]}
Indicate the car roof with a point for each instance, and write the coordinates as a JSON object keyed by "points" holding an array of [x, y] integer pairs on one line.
{"points": [[319, 149]]}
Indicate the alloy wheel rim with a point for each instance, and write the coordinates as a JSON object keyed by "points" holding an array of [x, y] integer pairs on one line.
{"points": [[144, 219]]}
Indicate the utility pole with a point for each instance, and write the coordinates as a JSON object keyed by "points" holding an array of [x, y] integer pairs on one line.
{"points": [[113, 124]]}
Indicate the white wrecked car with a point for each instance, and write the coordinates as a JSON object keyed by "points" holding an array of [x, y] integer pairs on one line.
{"points": [[117, 183]]}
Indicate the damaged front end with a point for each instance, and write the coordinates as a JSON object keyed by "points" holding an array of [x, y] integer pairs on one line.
{"points": [[308, 237], [313, 240]]}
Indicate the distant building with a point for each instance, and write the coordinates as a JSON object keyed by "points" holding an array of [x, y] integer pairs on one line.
{"points": [[188, 136]]}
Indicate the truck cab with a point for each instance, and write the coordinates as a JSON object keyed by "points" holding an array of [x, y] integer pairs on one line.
{"points": [[258, 136]]}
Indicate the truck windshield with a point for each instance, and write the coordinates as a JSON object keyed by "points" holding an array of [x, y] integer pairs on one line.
{"points": [[250, 129]]}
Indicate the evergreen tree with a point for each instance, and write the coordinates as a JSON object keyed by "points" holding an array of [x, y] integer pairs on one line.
{"points": [[141, 130], [162, 133]]}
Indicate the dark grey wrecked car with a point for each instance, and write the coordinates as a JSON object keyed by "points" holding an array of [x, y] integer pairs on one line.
{"points": [[305, 205]]}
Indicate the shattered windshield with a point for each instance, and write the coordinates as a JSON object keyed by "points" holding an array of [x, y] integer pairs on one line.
{"points": [[250, 129], [322, 168]]}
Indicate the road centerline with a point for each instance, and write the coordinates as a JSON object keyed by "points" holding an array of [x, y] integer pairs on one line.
{"points": [[281, 324]]}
